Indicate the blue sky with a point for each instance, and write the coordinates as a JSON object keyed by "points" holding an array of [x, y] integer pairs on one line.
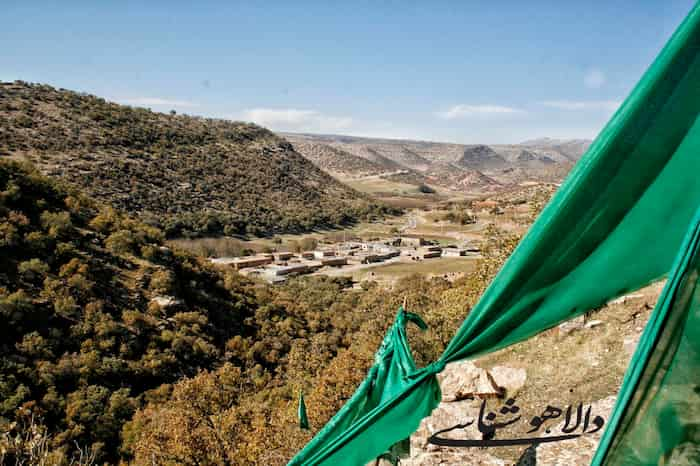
{"points": [[462, 71]]}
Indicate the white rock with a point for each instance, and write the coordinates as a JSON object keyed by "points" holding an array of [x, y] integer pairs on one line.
{"points": [[463, 379], [593, 323], [625, 298], [166, 301], [511, 379], [571, 325]]}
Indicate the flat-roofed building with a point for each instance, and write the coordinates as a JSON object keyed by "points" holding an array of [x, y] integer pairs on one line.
{"points": [[454, 252], [412, 242], [320, 254], [334, 261], [282, 270], [239, 263], [426, 254]]}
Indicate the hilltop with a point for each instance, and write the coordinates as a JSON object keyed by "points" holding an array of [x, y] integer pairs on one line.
{"points": [[189, 176]]}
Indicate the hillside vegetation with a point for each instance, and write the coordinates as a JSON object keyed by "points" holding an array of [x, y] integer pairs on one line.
{"points": [[188, 176], [123, 349]]}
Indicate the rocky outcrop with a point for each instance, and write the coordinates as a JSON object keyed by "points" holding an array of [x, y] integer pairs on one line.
{"points": [[578, 451], [464, 386], [463, 380]]}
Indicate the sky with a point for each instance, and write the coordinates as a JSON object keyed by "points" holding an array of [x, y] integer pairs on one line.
{"points": [[492, 71]]}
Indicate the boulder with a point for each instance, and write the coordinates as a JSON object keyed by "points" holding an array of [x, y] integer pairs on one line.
{"points": [[509, 379], [463, 379], [166, 301]]}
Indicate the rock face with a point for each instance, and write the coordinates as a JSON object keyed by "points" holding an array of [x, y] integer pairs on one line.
{"points": [[464, 386], [577, 451], [509, 379], [462, 380]]}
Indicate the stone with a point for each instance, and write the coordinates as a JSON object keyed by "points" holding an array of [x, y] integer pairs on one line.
{"points": [[463, 379], [570, 326], [593, 323], [625, 298], [166, 301], [508, 378]]}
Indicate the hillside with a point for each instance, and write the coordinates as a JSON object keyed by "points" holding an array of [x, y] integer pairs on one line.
{"points": [[462, 168], [115, 347], [101, 320], [189, 176], [97, 313], [336, 161]]}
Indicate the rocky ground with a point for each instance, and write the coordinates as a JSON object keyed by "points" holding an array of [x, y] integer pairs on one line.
{"points": [[581, 361]]}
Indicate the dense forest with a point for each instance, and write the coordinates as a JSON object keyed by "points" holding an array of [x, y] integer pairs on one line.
{"points": [[188, 176], [117, 348]]}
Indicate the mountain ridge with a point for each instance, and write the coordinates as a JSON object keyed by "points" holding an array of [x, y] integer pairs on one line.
{"points": [[481, 166]]}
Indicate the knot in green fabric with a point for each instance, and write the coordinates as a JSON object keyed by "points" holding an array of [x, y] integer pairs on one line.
{"points": [[436, 367]]}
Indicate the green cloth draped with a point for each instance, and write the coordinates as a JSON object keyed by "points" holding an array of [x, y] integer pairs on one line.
{"points": [[615, 225], [656, 419], [301, 412]]}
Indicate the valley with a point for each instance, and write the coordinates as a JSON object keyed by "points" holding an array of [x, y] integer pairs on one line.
{"points": [[161, 271]]}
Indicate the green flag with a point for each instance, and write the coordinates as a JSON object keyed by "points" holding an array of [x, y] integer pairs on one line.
{"points": [[301, 412]]}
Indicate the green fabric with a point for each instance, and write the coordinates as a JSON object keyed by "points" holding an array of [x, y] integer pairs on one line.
{"points": [[657, 415], [386, 379], [616, 224], [301, 412]]}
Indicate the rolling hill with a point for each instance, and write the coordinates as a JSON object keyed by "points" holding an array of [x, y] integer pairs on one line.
{"points": [[189, 176], [456, 167]]}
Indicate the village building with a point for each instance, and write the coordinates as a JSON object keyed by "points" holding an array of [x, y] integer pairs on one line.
{"points": [[408, 241], [320, 254], [334, 261], [239, 263], [282, 270], [283, 256]]}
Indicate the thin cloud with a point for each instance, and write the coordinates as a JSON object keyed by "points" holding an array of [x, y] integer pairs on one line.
{"points": [[467, 111], [158, 102], [594, 79], [292, 119], [606, 105]]}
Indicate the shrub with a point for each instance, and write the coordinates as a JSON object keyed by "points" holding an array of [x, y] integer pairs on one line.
{"points": [[33, 269]]}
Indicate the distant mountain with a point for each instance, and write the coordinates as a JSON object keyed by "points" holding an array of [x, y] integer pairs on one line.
{"points": [[188, 175], [480, 166], [573, 149], [481, 157]]}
